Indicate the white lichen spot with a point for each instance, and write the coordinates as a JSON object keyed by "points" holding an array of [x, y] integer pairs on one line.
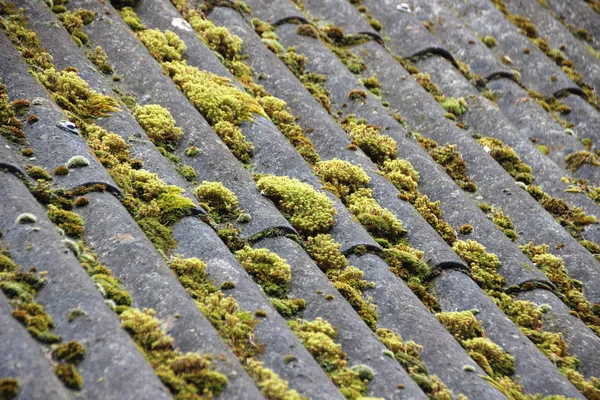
{"points": [[26, 218], [181, 24]]}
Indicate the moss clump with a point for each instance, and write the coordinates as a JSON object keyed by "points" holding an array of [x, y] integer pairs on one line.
{"points": [[163, 46], [184, 374], [406, 264], [131, 19], [71, 352], [68, 221], [357, 95], [307, 30], [224, 106], [341, 177], [309, 211], [572, 290], [377, 146], [61, 170], [579, 158], [508, 159], [449, 158], [483, 265], [272, 273], [465, 229], [269, 383], [461, 324], [279, 113], [456, 107], [159, 124], [9, 388], [403, 175], [78, 162], [74, 21], [38, 173], [192, 151], [572, 218], [326, 253], [26, 218], [502, 221], [73, 94], [318, 337], [220, 201], [489, 41], [378, 221], [408, 354], [10, 126], [372, 83], [99, 58], [69, 376]]}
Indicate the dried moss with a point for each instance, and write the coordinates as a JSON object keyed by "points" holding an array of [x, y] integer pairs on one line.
{"points": [[159, 124], [318, 337], [309, 211], [9, 388]]}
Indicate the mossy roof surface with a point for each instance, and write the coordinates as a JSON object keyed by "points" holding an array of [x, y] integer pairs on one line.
{"points": [[288, 199]]}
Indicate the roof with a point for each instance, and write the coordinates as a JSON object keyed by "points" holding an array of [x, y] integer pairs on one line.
{"points": [[299, 199]]}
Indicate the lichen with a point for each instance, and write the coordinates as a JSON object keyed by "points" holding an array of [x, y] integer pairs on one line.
{"points": [[159, 124], [309, 211], [26, 218]]}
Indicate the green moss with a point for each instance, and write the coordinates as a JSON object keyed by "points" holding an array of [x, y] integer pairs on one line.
{"points": [[163, 46], [449, 158], [220, 201], [483, 265], [69, 376], [408, 355], [378, 221], [279, 113], [497, 362], [318, 337], [508, 159], [270, 384], [131, 19], [74, 314], [341, 177], [74, 22], [71, 223], [288, 308], [61, 170], [272, 273], [99, 58], [465, 229], [579, 158], [184, 374], [71, 352], [572, 290], [377, 146], [192, 151], [489, 41], [456, 107], [309, 211], [326, 253], [223, 105], [572, 218], [37, 172], [406, 264], [159, 124], [9, 388], [73, 94], [461, 324]]}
